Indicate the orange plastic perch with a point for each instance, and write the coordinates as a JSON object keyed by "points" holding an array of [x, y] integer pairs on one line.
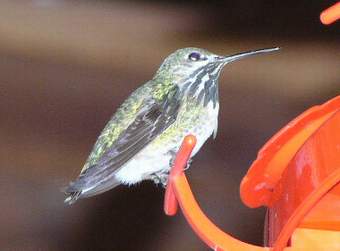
{"points": [[331, 14], [178, 190]]}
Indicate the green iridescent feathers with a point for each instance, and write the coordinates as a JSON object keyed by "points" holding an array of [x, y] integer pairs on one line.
{"points": [[125, 116]]}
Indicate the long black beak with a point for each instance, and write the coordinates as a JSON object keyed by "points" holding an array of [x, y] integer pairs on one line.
{"points": [[228, 59]]}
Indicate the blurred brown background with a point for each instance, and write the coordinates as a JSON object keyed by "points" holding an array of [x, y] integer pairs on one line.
{"points": [[65, 66]]}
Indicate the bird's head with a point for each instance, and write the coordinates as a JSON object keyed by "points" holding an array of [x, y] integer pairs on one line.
{"points": [[189, 63]]}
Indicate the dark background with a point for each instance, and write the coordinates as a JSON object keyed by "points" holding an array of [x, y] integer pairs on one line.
{"points": [[65, 66]]}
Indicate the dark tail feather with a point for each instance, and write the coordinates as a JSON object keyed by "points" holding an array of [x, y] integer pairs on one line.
{"points": [[102, 187], [73, 194], [72, 197], [76, 189]]}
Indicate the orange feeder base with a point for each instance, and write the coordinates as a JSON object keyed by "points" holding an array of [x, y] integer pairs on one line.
{"points": [[296, 176]]}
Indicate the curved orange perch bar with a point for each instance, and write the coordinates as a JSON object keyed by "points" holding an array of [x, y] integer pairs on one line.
{"points": [[178, 190], [331, 14]]}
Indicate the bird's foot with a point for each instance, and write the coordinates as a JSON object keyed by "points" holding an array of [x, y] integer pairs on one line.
{"points": [[172, 159], [188, 164], [160, 178]]}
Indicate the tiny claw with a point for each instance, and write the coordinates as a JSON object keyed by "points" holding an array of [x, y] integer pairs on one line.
{"points": [[188, 164]]}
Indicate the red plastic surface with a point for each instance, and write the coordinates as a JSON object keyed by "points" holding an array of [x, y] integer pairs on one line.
{"points": [[258, 185], [308, 193]]}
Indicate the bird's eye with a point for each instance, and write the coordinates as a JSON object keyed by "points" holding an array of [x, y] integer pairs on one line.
{"points": [[194, 56]]}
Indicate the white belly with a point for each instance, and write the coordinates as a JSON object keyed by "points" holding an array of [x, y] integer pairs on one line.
{"points": [[156, 157]]}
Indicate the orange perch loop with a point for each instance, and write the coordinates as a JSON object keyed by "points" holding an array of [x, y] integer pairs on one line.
{"points": [[213, 236], [178, 192], [331, 14]]}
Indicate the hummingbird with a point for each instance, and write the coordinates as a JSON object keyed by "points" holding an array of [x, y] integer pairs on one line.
{"points": [[141, 139]]}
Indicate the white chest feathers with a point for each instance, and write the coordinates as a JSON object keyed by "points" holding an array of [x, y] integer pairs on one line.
{"points": [[156, 158]]}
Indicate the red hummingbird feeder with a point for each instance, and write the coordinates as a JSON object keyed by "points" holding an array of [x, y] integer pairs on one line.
{"points": [[296, 176]]}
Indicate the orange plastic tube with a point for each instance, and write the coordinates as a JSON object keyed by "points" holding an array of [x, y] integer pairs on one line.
{"points": [[178, 191], [331, 14], [183, 155]]}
